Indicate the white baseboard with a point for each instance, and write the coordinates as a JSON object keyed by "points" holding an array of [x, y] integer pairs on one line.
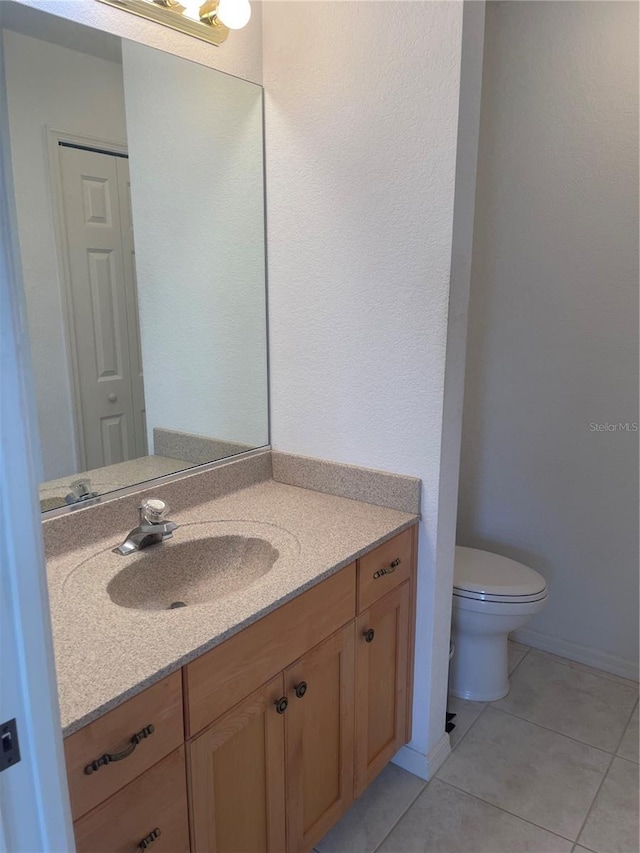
{"points": [[424, 766], [581, 654]]}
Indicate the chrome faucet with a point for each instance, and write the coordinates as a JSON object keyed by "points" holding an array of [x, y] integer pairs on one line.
{"points": [[80, 490], [153, 527]]}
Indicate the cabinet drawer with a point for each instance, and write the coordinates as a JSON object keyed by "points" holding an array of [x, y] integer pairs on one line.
{"points": [[157, 800], [159, 706], [384, 568], [221, 678]]}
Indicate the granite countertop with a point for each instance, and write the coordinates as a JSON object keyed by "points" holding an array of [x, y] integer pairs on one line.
{"points": [[108, 479], [106, 653]]}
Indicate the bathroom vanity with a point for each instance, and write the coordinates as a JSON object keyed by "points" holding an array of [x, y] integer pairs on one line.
{"points": [[251, 718], [234, 687]]}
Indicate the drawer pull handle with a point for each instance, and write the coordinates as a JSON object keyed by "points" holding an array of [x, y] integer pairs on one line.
{"points": [[146, 842], [108, 758], [281, 704], [369, 635], [389, 570], [300, 689]]}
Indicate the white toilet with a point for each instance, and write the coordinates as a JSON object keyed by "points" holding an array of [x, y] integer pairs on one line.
{"points": [[492, 596]]}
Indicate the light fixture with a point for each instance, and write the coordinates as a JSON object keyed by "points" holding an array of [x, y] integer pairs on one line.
{"points": [[210, 20], [234, 14]]}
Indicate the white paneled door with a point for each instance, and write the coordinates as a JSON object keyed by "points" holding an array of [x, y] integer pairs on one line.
{"points": [[104, 306]]}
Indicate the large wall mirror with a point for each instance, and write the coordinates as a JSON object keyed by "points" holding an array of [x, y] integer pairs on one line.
{"points": [[139, 198]]}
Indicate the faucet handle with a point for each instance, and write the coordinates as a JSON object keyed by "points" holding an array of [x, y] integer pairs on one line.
{"points": [[154, 510], [80, 490]]}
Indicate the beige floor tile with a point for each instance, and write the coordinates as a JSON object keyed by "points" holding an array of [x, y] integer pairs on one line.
{"points": [[466, 714], [613, 825], [445, 820], [570, 700], [372, 817], [531, 772], [610, 676], [629, 745], [516, 653]]}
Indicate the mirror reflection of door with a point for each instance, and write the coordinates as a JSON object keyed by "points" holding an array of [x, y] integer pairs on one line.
{"points": [[101, 289]]}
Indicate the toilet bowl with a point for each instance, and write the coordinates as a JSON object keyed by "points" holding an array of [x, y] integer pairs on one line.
{"points": [[492, 596]]}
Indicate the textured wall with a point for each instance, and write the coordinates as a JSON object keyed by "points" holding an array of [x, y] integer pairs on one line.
{"points": [[553, 340], [48, 85], [198, 213], [241, 54], [361, 120]]}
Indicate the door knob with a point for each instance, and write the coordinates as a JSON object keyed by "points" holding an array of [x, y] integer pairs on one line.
{"points": [[112, 397]]}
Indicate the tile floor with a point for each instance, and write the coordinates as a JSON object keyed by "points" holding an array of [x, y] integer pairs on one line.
{"points": [[551, 768]]}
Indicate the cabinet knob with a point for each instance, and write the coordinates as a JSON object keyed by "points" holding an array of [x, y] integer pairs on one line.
{"points": [[369, 635], [300, 689], [112, 397], [281, 704], [149, 839]]}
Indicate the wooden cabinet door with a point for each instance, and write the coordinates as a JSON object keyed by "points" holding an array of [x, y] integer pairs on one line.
{"points": [[319, 725], [382, 643], [236, 772]]}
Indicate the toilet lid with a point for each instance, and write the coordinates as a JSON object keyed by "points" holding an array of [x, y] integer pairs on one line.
{"points": [[485, 573]]}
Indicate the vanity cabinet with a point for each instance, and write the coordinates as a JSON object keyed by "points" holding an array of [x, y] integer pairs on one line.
{"points": [[285, 723]]}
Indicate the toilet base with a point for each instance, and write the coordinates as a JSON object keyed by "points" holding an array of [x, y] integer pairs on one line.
{"points": [[479, 669]]}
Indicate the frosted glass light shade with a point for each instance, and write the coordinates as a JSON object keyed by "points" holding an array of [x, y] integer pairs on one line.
{"points": [[234, 14]]}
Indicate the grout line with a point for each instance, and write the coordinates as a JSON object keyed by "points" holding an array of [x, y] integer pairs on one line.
{"points": [[626, 760], [626, 726], [612, 755], [461, 739], [505, 811], [602, 781], [582, 743], [562, 734], [486, 705], [593, 801], [589, 670], [528, 649], [419, 794]]}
